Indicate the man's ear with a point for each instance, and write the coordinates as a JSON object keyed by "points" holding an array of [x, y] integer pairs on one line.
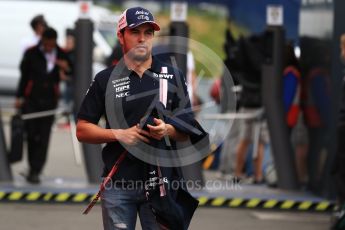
{"points": [[120, 37]]}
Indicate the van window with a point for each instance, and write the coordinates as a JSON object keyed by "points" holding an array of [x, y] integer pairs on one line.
{"points": [[109, 36]]}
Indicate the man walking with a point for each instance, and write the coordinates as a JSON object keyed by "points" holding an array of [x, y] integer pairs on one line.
{"points": [[137, 75], [38, 90]]}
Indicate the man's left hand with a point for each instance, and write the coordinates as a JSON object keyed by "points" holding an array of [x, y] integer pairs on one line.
{"points": [[159, 130]]}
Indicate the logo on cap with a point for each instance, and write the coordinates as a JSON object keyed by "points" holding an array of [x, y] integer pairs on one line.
{"points": [[134, 17], [142, 12]]}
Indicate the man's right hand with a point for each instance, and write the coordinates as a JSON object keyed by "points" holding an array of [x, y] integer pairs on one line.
{"points": [[132, 135]]}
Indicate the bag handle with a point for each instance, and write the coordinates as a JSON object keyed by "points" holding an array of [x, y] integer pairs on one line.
{"points": [[162, 190], [105, 182]]}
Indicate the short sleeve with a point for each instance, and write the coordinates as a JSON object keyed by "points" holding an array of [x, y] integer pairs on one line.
{"points": [[93, 105]]}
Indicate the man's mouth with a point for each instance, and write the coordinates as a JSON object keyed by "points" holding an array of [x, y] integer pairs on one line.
{"points": [[141, 47]]}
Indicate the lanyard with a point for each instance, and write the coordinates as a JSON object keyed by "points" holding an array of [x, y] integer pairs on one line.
{"points": [[105, 181]]}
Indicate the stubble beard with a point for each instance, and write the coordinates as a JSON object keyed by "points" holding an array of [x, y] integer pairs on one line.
{"points": [[139, 57]]}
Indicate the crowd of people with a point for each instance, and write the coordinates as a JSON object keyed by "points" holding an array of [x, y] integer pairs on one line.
{"points": [[306, 100]]}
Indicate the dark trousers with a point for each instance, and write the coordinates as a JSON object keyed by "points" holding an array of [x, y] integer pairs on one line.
{"points": [[38, 134], [317, 142]]}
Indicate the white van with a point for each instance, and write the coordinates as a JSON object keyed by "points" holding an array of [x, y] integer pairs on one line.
{"points": [[15, 17]]}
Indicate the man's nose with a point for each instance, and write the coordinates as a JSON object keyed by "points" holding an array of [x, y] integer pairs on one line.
{"points": [[141, 37]]}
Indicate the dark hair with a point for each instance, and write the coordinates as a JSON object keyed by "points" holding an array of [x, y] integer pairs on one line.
{"points": [[122, 31], [290, 57], [70, 32], [38, 19], [49, 33]]}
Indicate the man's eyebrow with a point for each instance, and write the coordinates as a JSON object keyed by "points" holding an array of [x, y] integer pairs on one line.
{"points": [[146, 30], [133, 29]]}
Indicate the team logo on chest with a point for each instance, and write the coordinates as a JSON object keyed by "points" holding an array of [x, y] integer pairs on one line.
{"points": [[164, 73], [122, 87]]}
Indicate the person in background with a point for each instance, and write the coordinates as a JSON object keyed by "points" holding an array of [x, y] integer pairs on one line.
{"points": [[68, 77], [228, 154], [38, 25], [316, 97], [291, 87], [115, 55], [292, 107], [38, 90], [250, 58]]}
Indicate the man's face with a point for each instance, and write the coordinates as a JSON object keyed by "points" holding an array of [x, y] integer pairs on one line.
{"points": [[40, 28], [70, 43], [137, 42], [48, 44]]}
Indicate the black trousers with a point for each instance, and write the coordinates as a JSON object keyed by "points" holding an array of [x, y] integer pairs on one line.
{"points": [[38, 134], [318, 141]]}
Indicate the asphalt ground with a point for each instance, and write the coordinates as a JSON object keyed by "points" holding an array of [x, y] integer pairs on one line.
{"points": [[69, 217]]}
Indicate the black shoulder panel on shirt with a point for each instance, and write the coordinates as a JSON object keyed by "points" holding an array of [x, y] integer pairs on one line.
{"points": [[103, 76]]}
